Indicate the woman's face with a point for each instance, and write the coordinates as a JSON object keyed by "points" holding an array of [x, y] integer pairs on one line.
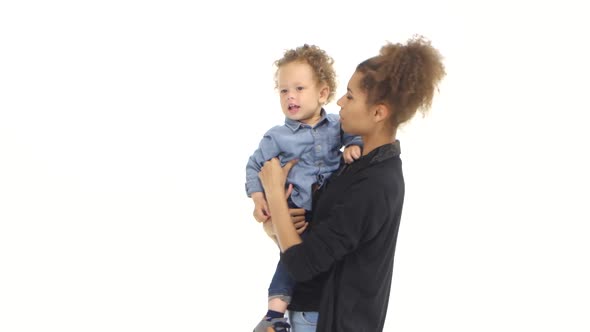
{"points": [[354, 111]]}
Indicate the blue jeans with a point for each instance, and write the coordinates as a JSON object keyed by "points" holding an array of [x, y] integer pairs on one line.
{"points": [[303, 321], [282, 283]]}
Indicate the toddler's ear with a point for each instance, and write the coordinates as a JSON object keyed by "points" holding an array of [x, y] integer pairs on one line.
{"points": [[324, 93]]}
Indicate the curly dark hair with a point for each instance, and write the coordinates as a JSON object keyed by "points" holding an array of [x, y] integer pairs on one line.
{"points": [[320, 62], [403, 77]]}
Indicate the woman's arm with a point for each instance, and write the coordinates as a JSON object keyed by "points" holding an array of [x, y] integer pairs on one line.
{"points": [[358, 213], [273, 178], [355, 216]]}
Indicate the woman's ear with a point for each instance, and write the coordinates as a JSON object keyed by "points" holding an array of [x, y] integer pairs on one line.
{"points": [[381, 112]]}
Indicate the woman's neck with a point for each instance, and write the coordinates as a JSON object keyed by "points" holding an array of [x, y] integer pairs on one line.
{"points": [[371, 142]]}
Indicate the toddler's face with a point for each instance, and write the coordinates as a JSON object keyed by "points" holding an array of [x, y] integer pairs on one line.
{"points": [[301, 95]]}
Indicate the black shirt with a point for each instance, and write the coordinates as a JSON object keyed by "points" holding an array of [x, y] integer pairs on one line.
{"points": [[344, 265]]}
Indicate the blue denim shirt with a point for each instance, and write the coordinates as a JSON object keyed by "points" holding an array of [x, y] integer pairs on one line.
{"points": [[317, 148]]}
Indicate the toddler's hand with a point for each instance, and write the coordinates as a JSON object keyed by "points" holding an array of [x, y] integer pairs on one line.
{"points": [[351, 153], [261, 211]]}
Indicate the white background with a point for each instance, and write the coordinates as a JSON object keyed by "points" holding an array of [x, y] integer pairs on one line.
{"points": [[125, 127]]}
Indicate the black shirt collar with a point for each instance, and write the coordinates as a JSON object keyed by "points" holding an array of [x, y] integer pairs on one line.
{"points": [[380, 154]]}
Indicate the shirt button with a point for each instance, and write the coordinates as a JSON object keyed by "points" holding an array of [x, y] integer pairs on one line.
{"points": [[318, 148]]}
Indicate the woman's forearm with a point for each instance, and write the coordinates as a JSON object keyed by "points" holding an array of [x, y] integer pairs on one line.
{"points": [[269, 230], [284, 230]]}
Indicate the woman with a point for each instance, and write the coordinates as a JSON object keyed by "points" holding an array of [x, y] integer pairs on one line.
{"points": [[344, 266]]}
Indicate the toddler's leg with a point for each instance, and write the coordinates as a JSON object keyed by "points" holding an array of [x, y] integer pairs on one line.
{"points": [[279, 296]]}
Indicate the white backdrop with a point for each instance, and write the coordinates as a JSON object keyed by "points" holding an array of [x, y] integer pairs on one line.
{"points": [[125, 127]]}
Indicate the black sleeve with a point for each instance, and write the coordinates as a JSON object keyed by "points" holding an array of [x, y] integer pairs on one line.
{"points": [[351, 219]]}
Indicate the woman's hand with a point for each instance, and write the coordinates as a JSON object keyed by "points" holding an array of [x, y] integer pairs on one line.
{"points": [[297, 217], [273, 177]]}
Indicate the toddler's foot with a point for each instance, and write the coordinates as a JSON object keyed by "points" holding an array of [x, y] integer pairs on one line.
{"points": [[273, 325]]}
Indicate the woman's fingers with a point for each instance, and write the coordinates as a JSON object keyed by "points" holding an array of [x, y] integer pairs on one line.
{"points": [[297, 212], [302, 229], [300, 223]]}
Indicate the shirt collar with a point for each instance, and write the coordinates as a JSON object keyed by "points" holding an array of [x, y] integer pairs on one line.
{"points": [[294, 125], [385, 152], [381, 153]]}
